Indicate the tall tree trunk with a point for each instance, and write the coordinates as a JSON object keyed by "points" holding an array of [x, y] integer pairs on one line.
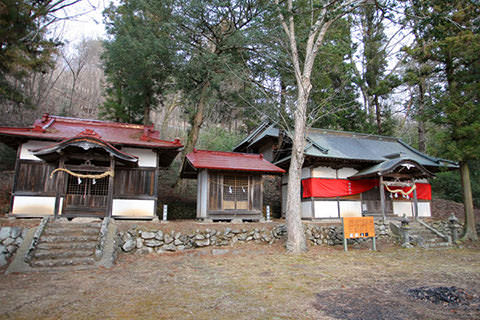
{"points": [[168, 111], [146, 110], [197, 121], [370, 109], [470, 233], [296, 241], [195, 129], [378, 115], [72, 92], [420, 116]]}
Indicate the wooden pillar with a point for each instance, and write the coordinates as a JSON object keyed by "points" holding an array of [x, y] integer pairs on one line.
{"points": [[202, 193], [17, 169], [60, 186], [382, 196], [110, 188], [155, 187], [415, 203]]}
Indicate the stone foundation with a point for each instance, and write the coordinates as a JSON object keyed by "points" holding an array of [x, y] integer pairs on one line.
{"points": [[147, 241], [10, 239]]}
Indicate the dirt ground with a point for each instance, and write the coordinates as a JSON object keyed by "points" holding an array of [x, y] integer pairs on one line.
{"points": [[251, 282]]}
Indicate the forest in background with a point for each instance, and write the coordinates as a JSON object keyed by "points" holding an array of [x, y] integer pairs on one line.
{"points": [[209, 72]]}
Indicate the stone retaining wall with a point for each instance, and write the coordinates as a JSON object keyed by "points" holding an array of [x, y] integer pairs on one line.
{"points": [[444, 227], [148, 241], [10, 239]]}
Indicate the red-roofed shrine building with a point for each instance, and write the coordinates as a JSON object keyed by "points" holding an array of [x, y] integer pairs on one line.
{"points": [[230, 184], [68, 167]]}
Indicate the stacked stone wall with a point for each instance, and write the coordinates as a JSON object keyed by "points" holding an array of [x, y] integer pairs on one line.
{"points": [[10, 239], [147, 241]]}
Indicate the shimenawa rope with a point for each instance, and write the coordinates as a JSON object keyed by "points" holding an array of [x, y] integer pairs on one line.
{"points": [[405, 193], [79, 175]]}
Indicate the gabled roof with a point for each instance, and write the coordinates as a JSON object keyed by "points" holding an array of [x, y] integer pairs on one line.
{"points": [[263, 131], [58, 128], [84, 141], [230, 161], [332, 144], [400, 165], [360, 147]]}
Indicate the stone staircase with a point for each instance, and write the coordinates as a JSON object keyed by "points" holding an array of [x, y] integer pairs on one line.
{"points": [[61, 245], [422, 235], [66, 244]]}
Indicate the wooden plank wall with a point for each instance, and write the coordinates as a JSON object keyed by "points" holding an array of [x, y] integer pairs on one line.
{"points": [[34, 178], [134, 182]]}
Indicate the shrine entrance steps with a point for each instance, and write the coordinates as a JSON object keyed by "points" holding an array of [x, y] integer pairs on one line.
{"points": [[422, 235], [60, 245], [66, 244]]}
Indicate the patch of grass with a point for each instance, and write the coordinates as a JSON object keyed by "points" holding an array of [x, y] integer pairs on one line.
{"points": [[250, 282]]}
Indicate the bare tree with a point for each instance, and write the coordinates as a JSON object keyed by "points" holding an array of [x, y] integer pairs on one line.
{"points": [[320, 16], [75, 63]]}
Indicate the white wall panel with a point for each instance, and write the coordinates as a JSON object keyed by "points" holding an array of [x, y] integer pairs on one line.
{"points": [[306, 173], [33, 206], [424, 209], [350, 208], [403, 207], [26, 154], [133, 208], [146, 157], [326, 209], [324, 172], [307, 209], [344, 173], [60, 206]]}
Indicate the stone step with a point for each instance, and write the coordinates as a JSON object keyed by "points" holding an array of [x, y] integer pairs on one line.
{"points": [[427, 236], [67, 245], [62, 262], [69, 268], [63, 231], [61, 253], [71, 225], [68, 238], [437, 245]]}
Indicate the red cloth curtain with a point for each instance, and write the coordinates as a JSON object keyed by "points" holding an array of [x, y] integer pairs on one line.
{"points": [[329, 188], [424, 191]]}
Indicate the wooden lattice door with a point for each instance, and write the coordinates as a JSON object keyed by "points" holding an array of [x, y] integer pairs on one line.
{"points": [[86, 196]]}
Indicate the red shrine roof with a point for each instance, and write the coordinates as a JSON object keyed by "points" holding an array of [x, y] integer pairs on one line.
{"points": [[60, 128], [234, 161]]}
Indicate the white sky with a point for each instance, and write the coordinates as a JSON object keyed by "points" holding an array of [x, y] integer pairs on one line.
{"points": [[87, 22]]}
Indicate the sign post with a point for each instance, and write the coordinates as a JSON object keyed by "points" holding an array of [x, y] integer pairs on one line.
{"points": [[358, 227]]}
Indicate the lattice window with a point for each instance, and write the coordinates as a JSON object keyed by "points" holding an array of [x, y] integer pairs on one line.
{"points": [[87, 186], [235, 192]]}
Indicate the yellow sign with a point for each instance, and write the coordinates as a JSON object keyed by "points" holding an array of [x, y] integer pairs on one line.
{"points": [[358, 227]]}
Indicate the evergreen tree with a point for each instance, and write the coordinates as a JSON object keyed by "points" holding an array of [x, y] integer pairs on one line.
{"points": [[375, 83], [139, 58], [24, 45], [452, 44], [216, 38], [334, 102]]}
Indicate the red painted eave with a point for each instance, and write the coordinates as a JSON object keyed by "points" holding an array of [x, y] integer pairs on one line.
{"points": [[61, 128], [232, 161]]}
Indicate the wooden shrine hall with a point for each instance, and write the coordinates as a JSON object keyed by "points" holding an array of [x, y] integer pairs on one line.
{"points": [[68, 167]]}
